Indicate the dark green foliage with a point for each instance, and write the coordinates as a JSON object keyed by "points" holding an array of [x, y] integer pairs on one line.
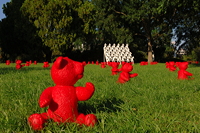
{"points": [[61, 24], [150, 20], [197, 54], [193, 56], [18, 36], [187, 25], [45, 29]]}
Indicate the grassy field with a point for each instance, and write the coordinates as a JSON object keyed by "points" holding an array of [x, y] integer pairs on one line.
{"points": [[155, 101]]}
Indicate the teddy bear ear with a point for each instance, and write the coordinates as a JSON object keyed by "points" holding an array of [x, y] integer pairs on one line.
{"points": [[60, 62]]}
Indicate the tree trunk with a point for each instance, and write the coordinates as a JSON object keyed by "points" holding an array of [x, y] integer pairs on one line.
{"points": [[48, 56], [150, 50], [147, 28], [48, 53]]}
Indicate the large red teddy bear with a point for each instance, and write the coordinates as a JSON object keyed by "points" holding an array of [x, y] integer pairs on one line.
{"points": [[182, 73], [62, 99], [125, 75]]}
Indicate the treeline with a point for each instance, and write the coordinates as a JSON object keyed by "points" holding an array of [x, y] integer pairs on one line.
{"points": [[44, 29]]}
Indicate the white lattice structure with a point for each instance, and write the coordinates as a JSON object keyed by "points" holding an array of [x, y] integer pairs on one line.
{"points": [[117, 53]]}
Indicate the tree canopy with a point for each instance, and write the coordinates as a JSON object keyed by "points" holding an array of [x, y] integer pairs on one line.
{"points": [[18, 37], [60, 23], [153, 20], [57, 26]]}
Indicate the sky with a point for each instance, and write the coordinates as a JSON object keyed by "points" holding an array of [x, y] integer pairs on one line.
{"points": [[1, 10]]}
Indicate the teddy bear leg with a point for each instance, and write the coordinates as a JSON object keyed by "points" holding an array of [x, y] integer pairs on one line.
{"points": [[88, 120], [80, 119], [121, 81], [36, 121]]}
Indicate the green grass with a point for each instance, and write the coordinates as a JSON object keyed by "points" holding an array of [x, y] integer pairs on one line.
{"points": [[155, 101]]}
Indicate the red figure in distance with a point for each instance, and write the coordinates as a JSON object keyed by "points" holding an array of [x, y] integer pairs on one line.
{"points": [[27, 63], [142, 63], [46, 64], [153, 63], [84, 63], [62, 99], [103, 65], [114, 69], [171, 66], [125, 74], [167, 65], [123, 63], [182, 73], [18, 64], [7, 62]]}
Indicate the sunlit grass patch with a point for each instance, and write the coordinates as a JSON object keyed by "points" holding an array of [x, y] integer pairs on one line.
{"points": [[155, 101]]}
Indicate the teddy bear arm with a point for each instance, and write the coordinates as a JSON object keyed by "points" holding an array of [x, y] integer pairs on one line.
{"points": [[85, 93], [172, 68], [45, 97], [188, 73], [133, 75]]}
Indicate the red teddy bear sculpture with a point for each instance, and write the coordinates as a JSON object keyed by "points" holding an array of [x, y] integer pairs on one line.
{"points": [[114, 69], [46, 64], [125, 75], [171, 66], [7, 62], [62, 99], [103, 64], [182, 73], [18, 64]]}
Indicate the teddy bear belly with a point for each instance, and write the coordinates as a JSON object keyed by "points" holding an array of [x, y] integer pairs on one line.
{"points": [[181, 75], [124, 76], [63, 107]]}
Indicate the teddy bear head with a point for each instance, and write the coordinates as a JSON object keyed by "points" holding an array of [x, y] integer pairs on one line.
{"points": [[127, 67], [18, 61], [66, 72], [171, 63], [183, 65], [115, 64]]}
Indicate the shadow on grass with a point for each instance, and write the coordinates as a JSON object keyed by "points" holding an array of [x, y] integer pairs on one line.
{"points": [[7, 70], [107, 105]]}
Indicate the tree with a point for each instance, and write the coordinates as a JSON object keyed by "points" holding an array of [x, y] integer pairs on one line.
{"points": [[187, 26], [60, 23], [111, 27], [150, 19], [18, 35]]}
